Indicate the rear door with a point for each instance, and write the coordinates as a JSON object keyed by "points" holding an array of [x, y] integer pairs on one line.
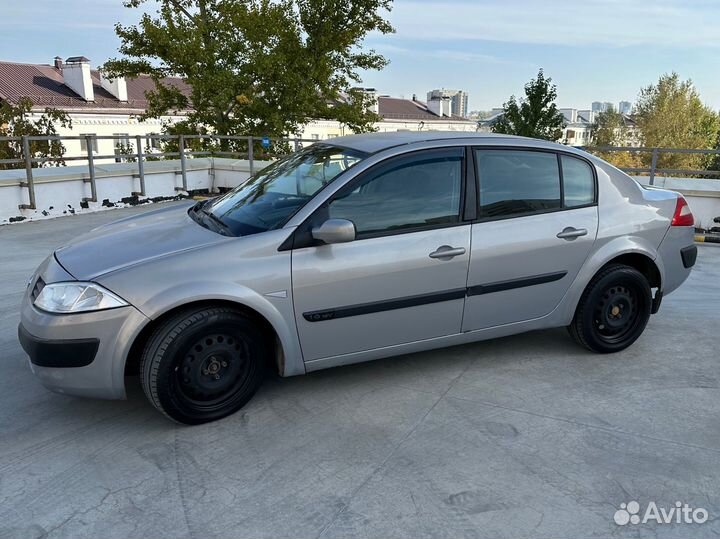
{"points": [[537, 224], [395, 283]]}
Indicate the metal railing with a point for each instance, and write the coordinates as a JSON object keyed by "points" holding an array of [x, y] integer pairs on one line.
{"points": [[655, 153], [143, 148]]}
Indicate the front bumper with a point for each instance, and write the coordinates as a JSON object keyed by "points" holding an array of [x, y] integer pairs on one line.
{"points": [[79, 354], [58, 353]]}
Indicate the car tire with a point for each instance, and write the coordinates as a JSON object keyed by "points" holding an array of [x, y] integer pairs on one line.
{"points": [[203, 364], [613, 310]]}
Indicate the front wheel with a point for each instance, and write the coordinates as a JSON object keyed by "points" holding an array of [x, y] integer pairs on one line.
{"points": [[613, 310], [203, 364]]}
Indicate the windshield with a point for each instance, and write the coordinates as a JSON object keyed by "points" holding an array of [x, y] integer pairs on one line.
{"points": [[268, 199]]}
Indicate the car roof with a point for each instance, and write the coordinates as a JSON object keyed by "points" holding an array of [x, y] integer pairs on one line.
{"points": [[376, 142]]}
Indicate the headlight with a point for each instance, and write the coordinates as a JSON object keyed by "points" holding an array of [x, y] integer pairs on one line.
{"points": [[76, 297]]}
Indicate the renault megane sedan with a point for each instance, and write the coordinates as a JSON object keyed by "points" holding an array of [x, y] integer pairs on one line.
{"points": [[363, 247]]}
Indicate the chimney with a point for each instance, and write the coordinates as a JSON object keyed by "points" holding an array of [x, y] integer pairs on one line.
{"points": [[439, 106], [57, 62], [446, 106], [371, 93], [76, 73], [117, 87], [414, 97]]}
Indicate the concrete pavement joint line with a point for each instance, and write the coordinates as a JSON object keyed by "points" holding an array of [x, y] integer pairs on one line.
{"points": [[181, 491], [588, 425], [379, 467]]}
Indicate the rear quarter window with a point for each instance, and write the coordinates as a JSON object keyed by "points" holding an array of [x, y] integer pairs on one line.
{"points": [[578, 182]]}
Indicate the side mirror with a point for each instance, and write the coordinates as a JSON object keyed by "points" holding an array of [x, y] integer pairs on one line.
{"points": [[335, 231]]}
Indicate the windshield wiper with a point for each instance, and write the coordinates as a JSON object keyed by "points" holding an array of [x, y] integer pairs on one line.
{"points": [[207, 217], [223, 228]]}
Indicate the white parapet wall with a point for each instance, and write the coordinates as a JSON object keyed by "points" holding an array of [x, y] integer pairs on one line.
{"points": [[61, 191], [702, 195]]}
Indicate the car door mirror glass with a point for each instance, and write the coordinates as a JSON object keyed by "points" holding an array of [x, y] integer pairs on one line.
{"points": [[335, 231]]}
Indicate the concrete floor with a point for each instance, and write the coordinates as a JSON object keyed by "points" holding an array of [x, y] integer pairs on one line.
{"points": [[523, 437]]}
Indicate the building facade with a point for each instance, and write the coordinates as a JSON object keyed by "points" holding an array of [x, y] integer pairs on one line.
{"points": [[111, 108], [95, 104]]}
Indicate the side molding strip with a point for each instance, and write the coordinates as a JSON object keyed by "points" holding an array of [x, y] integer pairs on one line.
{"points": [[425, 299], [380, 306], [499, 286]]}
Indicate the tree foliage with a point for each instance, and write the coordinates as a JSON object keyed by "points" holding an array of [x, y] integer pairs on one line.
{"points": [[670, 114], [17, 121], [535, 115], [255, 66], [609, 129]]}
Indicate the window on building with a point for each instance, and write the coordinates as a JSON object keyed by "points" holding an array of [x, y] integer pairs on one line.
{"points": [[516, 182], [578, 182], [315, 136], [152, 143], [331, 136], [410, 193], [83, 142], [121, 144]]}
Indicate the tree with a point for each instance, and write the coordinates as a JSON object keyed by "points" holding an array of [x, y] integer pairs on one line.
{"points": [[254, 66], [16, 121], [609, 129], [536, 115], [670, 114]]}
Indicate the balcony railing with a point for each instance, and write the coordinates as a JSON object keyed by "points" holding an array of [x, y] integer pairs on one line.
{"points": [[140, 149]]}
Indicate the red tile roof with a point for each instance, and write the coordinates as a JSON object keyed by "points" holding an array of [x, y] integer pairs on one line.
{"points": [[43, 85], [394, 108]]}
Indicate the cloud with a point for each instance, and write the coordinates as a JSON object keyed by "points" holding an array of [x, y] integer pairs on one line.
{"points": [[443, 54], [618, 23]]}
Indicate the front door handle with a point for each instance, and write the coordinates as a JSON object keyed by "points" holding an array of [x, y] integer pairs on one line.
{"points": [[446, 252], [570, 233]]}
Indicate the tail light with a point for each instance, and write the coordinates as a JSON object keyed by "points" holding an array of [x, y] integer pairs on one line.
{"points": [[683, 216]]}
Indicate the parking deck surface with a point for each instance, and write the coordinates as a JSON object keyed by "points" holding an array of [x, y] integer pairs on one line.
{"points": [[522, 437]]}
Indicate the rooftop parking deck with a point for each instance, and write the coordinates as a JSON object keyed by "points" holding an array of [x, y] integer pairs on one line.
{"points": [[523, 437]]}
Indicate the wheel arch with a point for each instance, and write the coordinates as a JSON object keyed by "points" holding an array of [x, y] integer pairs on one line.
{"points": [[278, 361], [641, 262], [632, 251]]}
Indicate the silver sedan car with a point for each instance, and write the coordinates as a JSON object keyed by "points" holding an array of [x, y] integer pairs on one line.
{"points": [[363, 247]]}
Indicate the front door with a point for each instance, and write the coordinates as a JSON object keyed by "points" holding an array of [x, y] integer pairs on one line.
{"points": [[397, 282], [537, 224]]}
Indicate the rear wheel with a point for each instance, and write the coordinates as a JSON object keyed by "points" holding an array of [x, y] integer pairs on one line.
{"points": [[203, 364], [613, 310]]}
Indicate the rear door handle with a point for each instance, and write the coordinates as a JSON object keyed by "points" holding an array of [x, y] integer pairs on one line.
{"points": [[570, 233], [446, 252]]}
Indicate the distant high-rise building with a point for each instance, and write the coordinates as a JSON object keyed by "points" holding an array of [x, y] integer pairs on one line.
{"points": [[624, 107], [601, 106], [458, 100]]}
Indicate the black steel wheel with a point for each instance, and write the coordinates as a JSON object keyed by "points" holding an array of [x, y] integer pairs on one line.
{"points": [[613, 310], [203, 364]]}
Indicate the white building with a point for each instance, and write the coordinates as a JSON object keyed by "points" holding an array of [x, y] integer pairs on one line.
{"points": [[110, 108], [95, 104]]}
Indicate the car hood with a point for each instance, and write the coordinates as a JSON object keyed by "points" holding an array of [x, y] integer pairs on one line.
{"points": [[134, 240]]}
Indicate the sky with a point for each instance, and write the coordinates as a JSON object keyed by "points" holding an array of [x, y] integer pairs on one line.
{"points": [[594, 50]]}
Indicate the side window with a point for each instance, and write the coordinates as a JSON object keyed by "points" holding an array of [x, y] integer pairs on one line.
{"points": [[517, 182], [411, 192], [578, 182]]}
